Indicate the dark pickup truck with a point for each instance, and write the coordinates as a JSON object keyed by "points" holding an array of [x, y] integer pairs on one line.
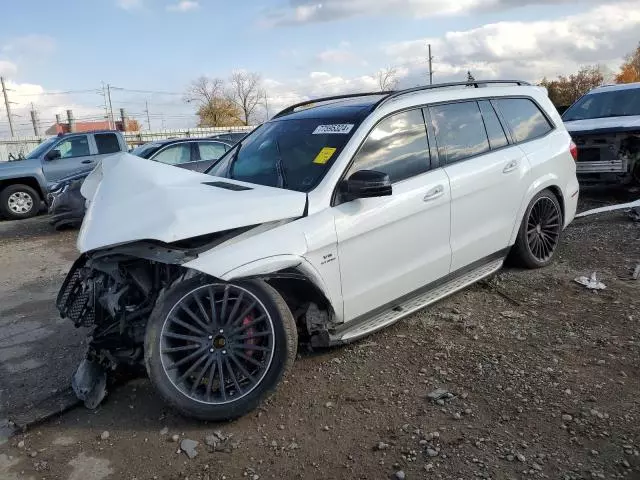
{"points": [[605, 125], [24, 182]]}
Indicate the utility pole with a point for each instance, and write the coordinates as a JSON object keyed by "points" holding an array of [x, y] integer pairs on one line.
{"points": [[106, 108], [123, 119], [7, 106], [266, 104], [34, 121], [146, 104], [430, 66], [111, 106]]}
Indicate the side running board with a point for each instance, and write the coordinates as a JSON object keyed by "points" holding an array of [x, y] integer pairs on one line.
{"points": [[395, 312]]}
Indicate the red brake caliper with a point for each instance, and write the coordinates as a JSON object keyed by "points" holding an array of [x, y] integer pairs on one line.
{"points": [[249, 333]]}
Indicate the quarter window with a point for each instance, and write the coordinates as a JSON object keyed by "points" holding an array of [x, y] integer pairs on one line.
{"points": [[107, 143], [459, 131], [524, 118], [397, 146], [175, 154], [495, 132]]}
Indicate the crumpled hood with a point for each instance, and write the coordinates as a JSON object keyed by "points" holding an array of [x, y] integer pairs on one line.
{"points": [[130, 198], [604, 125]]}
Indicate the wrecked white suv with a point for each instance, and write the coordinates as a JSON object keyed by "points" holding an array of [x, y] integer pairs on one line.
{"points": [[334, 219]]}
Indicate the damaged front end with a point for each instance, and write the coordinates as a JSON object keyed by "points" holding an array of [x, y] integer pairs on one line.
{"points": [[112, 292], [608, 157]]}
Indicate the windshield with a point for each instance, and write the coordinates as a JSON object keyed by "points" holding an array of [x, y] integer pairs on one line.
{"points": [[42, 148], [146, 150], [617, 103], [293, 154]]}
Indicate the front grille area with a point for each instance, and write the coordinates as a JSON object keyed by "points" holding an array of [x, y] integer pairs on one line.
{"points": [[75, 300]]}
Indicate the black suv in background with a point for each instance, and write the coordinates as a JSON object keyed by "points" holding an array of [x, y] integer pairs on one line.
{"points": [[67, 205]]}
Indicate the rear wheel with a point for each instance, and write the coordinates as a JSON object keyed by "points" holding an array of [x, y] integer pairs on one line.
{"points": [[18, 202], [540, 231], [214, 350]]}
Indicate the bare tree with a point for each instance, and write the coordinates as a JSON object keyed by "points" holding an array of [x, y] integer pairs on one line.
{"points": [[214, 109], [245, 91], [387, 79]]}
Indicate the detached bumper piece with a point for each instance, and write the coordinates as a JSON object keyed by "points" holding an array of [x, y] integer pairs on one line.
{"points": [[76, 299]]}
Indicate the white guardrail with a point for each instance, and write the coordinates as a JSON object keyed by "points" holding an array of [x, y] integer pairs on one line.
{"points": [[23, 145]]}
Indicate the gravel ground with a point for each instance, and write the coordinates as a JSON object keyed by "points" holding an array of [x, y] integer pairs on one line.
{"points": [[526, 375]]}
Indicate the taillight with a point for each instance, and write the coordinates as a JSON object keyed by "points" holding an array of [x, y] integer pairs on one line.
{"points": [[573, 149]]}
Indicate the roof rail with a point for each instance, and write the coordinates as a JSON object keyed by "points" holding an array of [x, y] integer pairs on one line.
{"points": [[475, 84], [394, 94], [292, 108]]}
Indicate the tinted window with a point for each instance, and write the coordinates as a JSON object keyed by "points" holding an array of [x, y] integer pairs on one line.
{"points": [[495, 132], [175, 154], [524, 118], [211, 150], [107, 143], [74, 147], [397, 146], [617, 103], [459, 131]]}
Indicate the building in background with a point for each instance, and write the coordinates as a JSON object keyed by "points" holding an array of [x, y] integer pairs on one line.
{"points": [[56, 128]]}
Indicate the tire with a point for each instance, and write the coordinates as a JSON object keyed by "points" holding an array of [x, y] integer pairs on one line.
{"points": [[265, 347], [540, 232], [18, 202]]}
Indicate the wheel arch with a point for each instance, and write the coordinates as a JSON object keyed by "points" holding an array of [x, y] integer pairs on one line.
{"points": [[31, 182], [549, 182]]}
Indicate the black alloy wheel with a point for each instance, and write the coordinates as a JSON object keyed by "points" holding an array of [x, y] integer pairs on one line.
{"points": [[214, 350], [540, 231]]}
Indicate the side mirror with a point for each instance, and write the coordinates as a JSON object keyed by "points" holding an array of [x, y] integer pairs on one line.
{"points": [[366, 184], [53, 154]]}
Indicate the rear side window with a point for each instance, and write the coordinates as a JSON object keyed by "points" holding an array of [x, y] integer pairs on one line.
{"points": [[107, 143], [397, 146], [524, 118], [495, 132], [175, 154], [459, 131], [211, 150]]}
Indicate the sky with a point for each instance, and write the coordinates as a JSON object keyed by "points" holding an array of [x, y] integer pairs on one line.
{"points": [[56, 56]]}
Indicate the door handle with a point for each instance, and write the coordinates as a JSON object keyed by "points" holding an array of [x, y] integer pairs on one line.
{"points": [[511, 166], [433, 194], [87, 161]]}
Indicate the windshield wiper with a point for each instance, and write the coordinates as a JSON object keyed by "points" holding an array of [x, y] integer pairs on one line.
{"points": [[282, 179]]}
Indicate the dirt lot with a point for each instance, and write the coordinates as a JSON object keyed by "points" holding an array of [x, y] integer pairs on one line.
{"points": [[544, 377]]}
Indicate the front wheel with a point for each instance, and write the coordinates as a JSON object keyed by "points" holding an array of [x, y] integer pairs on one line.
{"points": [[214, 350], [18, 202], [540, 231]]}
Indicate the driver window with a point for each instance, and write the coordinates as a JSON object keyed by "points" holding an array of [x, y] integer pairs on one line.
{"points": [[73, 147], [397, 146]]}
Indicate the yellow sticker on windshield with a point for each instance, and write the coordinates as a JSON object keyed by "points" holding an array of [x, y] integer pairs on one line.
{"points": [[325, 154]]}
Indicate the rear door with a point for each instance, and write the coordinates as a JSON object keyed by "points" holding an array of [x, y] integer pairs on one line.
{"points": [[391, 246], [106, 144], [77, 154], [486, 173], [180, 154], [207, 153]]}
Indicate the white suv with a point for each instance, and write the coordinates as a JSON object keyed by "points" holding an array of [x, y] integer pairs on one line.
{"points": [[332, 220]]}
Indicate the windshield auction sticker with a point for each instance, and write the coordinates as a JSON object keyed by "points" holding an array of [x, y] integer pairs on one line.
{"points": [[325, 155], [337, 129]]}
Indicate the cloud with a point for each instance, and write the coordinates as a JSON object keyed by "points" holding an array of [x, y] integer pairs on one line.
{"points": [[33, 45], [340, 55], [130, 4], [183, 6], [309, 11], [8, 68], [529, 50]]}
